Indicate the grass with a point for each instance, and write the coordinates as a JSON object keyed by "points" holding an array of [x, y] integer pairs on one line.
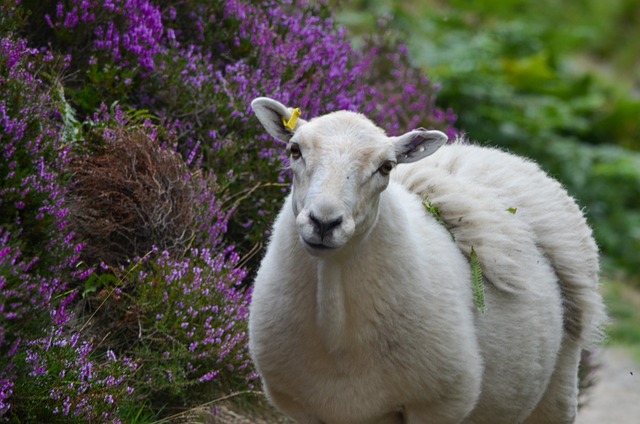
{"points": [[623, 303]]}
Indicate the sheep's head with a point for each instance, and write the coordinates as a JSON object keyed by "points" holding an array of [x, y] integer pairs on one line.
{"points": [[341, 162]]}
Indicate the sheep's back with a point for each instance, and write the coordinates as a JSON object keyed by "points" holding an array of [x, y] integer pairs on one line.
{"points": [[508, 210]]}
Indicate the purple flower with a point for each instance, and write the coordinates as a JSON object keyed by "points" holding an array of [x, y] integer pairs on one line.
{"points": [[125, 31], [6, 390]]}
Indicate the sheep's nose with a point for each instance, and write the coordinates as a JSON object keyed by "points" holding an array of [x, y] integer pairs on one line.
{"points": [[324, 227]]}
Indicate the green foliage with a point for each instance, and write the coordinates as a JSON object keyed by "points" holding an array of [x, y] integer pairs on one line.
{"points": [[12, 18], [97, 282], [433, 210], [623, 304], [477, 282]]}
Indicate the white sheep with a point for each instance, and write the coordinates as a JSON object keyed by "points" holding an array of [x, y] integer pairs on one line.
{"points": [[363, 309]]}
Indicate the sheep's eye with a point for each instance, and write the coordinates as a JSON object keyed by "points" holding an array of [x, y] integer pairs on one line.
{"points": [[386, 168], [294, 151]]}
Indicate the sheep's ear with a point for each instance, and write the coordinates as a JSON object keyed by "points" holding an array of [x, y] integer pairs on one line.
{"points": [[279, 120], [417, 144]]}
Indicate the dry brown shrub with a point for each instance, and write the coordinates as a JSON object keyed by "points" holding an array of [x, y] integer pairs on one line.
{"points": [[129, 196]]}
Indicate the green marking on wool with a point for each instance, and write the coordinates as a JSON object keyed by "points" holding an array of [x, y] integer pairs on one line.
{"points": [[477, 283], [433, 210], [512, 210]]}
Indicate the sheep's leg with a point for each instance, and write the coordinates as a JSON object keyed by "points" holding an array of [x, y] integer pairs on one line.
{"points": [[559, 402], [290, 407]]}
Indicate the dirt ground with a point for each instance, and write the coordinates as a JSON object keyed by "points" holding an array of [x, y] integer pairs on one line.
{"points": [[616, 396]]}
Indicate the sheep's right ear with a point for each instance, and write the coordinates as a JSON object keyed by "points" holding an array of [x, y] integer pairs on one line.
{"points": [[417, 144], [279, 120]]}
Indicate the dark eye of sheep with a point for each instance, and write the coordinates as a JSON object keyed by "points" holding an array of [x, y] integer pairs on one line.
{"points": [[386, 168], [294, 151]]}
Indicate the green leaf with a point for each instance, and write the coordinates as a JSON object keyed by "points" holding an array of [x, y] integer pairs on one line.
{"points": [[477, 283], [96, 282], [433, 210], [72, 128]]}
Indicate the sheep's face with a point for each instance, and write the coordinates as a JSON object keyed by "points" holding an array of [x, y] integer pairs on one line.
{"points": [[341, 162]]}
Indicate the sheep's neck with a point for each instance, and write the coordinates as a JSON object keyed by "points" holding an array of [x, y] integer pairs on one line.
{"points": [[331, 314]]}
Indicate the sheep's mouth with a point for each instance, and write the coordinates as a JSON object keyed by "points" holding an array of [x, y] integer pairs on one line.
{"points": [[318, 246]]}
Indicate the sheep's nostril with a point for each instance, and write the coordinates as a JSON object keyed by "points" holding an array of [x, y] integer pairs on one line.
{"points": [[324, 227]]}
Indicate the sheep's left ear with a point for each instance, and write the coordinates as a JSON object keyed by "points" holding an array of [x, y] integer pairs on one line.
{"points": [[279, 120], [417, 144]]}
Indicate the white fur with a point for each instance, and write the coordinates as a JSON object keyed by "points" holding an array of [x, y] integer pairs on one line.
{"points": [[371, 320]]}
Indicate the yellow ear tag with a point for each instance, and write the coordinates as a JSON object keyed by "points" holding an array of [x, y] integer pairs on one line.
{"points": [[293, 121]]}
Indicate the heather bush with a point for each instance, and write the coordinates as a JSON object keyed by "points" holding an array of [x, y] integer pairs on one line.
{"points": [[185, 317], [63, 379], [126, 231], [70, 359], [48, 372], [196, 64], [31, 195], [111, 44], [179, 307]]}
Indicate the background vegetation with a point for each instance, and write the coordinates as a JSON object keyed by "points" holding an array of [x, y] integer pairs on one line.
{"points": [[138, 188]]}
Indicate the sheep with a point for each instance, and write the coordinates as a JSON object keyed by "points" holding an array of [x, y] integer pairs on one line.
{"points": [[363, 309]]}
